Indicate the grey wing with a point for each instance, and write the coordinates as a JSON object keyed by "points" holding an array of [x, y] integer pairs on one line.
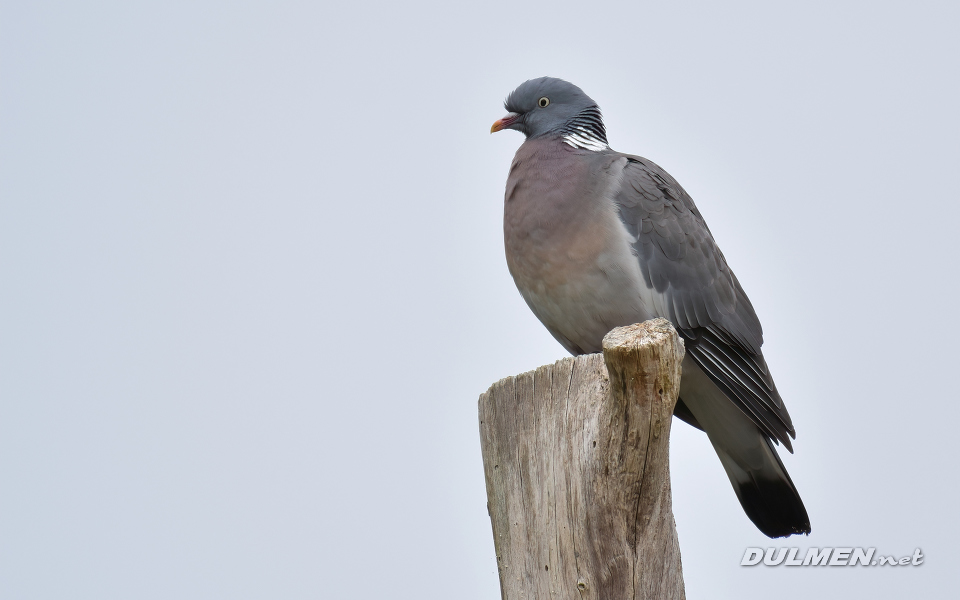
{"points": [[695, 289]]}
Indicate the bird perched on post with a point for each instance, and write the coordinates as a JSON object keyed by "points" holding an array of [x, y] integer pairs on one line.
{"points": [[597, 239]]}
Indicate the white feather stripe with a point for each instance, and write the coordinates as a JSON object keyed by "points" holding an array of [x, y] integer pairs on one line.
{"points": [[586, 141]]}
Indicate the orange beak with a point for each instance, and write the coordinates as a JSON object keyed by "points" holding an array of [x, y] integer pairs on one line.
{"points": [[504, 123]]}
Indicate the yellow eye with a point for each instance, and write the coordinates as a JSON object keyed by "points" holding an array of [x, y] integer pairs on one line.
{"points": [[543, 102]]}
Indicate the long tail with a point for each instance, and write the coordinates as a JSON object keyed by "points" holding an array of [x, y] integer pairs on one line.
{"points": [[765, 491], [762, 485]]}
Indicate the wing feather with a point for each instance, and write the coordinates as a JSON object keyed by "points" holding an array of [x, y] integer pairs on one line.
{"points": [[696, 290]]}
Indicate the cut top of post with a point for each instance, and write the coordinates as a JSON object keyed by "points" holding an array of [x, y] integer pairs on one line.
{"points": [[632, 337]]}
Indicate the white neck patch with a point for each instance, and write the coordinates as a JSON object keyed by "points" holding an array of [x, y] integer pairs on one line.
{"points": [[584, 139]]}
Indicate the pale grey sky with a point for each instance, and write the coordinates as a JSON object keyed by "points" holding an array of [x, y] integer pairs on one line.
{"points": [[252, 282]]}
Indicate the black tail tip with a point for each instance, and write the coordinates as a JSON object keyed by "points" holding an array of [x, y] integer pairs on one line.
{"points": [[775, 507]]}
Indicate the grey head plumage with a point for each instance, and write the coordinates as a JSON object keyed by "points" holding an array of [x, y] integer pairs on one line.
{"points": [[551, 106]]}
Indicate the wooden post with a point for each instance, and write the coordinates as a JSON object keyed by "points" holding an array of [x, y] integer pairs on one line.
{"points": [[576, 459]]}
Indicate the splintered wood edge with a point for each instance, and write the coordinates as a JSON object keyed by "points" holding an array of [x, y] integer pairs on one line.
{"points": [[532, 372], [620, 339], [631, 337]]}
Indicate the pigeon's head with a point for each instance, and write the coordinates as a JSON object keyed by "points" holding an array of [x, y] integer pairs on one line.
{"points": [[542, 106]]}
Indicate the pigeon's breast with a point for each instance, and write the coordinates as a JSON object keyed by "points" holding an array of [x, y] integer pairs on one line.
{"points": [[567, 249]]}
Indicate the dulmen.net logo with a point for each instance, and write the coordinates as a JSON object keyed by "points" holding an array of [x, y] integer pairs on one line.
{"points": [[827, 557]]}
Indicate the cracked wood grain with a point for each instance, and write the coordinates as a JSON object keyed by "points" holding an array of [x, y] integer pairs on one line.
{"points": [[576, 460]]}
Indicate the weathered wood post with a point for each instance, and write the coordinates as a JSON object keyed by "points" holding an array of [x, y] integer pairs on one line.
{"points": [[576, 458]]}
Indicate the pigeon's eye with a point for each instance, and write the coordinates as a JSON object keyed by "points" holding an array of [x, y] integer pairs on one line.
{"points": [[543, 102]]}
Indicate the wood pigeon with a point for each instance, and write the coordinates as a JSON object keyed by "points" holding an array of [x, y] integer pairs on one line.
{"points": [[596, 239]]}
